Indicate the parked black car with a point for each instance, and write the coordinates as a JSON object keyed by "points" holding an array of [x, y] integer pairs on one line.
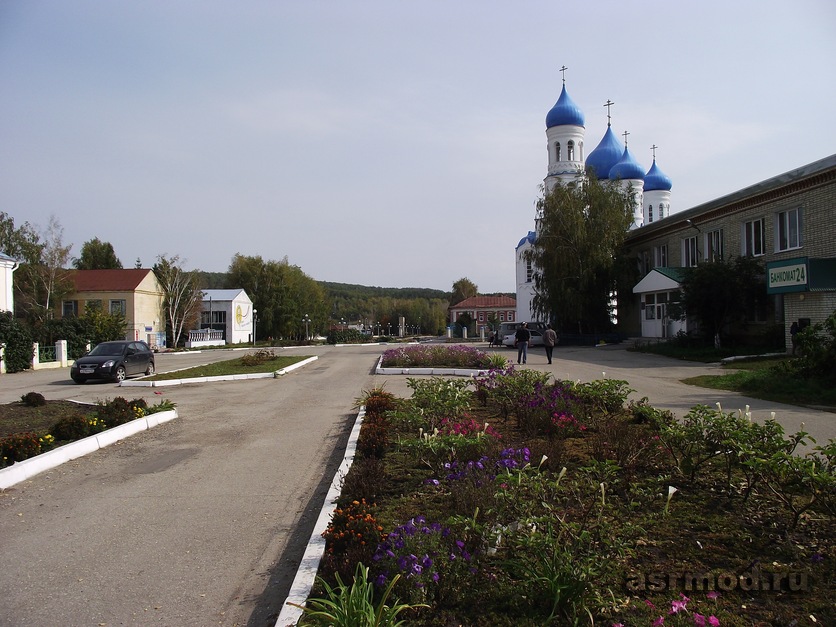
{"points": [[114, 360]]}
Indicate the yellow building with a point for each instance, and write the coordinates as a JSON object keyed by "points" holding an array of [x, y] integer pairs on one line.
{"points": [[134, 293]]}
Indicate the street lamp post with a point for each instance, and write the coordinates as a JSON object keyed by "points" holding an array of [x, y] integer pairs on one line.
{"points": [[306, 320], [255, 320]]}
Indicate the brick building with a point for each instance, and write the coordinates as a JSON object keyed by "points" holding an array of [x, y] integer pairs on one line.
{"points": [[483, 309], [788, 221]]}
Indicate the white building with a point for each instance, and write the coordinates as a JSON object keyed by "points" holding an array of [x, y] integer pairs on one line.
{"points": [[7, 267], [230, 312], [610, 160]]}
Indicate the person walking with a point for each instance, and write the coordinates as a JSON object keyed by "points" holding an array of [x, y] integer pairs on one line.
{"points": [[794, 336], [549, 341], [521, 339]]}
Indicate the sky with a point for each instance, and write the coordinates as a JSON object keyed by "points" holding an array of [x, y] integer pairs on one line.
{"points": [[381, 143]]}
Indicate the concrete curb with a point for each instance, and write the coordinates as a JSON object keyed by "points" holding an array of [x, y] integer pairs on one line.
{"points": [[437, 372], [302, 584], [28, 468], [139, 383]]}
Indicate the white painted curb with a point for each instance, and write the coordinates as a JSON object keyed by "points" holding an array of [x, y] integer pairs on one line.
{"points": [[302, 584], [28, 468], [139, 383]]}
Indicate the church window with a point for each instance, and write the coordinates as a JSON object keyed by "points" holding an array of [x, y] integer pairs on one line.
{"points": [[580, 150], [529, 272], [570, 150], [650, 213], [557, 151]]}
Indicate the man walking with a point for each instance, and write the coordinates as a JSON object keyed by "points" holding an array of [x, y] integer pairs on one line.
{"points": [[521, 339], [549, 341]]}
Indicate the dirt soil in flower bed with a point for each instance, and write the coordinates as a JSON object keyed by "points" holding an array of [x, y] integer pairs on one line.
{"points": [[18, 418], [789, 574]]}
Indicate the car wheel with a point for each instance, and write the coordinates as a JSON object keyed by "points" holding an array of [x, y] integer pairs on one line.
{"points": [[120, 374], [150, 370]]}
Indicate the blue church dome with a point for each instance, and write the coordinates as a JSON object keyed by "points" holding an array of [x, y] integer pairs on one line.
{"points": [[606, 154], [655, 179], [565, 111], [627, 168], [528, 238]]}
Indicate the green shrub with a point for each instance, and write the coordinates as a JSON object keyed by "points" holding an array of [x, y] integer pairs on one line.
{"points": [[33, 399], [117, 412], [71, 428], [345, 336], [18, 341], [257, 358]]}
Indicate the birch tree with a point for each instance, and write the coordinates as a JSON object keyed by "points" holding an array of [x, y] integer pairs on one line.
{"points": [[182, 296]]}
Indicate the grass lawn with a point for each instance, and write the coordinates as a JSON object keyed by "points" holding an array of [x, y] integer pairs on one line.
{"points": [[240, 365], [766, 379]]}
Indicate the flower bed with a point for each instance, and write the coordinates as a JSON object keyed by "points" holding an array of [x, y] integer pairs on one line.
{"points": [[71, 423], [549, 502], [435, 356]]}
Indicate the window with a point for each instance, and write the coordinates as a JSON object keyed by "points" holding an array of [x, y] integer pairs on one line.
{"points": [[510, 316], [754, 238], [788, 230], [69, 309], [690, 252], [660, 256], [645, 262], [570, 150], [650, 307], [557, 151], [93, 305], [481, 316], [714, 245], [529, 272], [650, 213], [502, 316], [118, 307]]}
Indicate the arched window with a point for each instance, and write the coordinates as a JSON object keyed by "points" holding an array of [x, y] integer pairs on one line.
{"points": [[557, 151], [580, 150], [570, 150]]}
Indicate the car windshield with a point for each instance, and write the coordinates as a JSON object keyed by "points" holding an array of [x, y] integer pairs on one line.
{"points": [[108, 349]]}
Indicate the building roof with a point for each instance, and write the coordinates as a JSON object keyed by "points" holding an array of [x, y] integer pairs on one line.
{"points": [[676, 221], [565, 111], [528, 238], [108, 280], [219, 295], [486, 302]]}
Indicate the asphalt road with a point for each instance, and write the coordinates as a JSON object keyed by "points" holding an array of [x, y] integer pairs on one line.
{"points": [[203, 520]]}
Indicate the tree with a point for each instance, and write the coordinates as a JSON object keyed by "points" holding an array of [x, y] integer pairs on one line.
{"points": [[581, 231], [720, 294], [21, 243], [182, 296], [43, 280], [282, 294], [463, 289], [97, 255]]}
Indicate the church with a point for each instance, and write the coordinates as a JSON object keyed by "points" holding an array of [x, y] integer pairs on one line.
{"points": [[788, 222], [610, 160]]}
